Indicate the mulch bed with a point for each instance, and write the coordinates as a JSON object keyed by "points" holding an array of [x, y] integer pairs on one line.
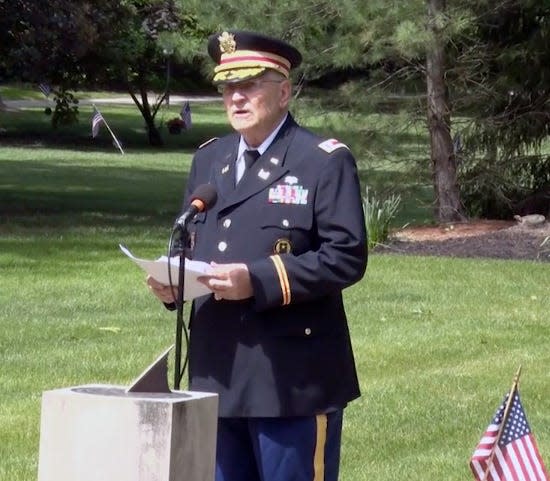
{"points": [[485, 238]]}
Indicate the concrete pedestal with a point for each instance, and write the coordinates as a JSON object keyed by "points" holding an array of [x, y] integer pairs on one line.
{"points": [[102, 433]]}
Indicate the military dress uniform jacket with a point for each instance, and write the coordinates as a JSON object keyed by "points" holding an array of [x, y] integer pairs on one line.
{"points": [[296, 220]]}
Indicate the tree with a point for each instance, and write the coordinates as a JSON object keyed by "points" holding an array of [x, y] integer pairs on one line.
{"points": [[49, 41], [139, 52], [98, 42], [444, 169], [506, 95]]}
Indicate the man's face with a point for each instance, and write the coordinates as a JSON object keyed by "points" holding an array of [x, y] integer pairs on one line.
{"points": [[255, 107]]}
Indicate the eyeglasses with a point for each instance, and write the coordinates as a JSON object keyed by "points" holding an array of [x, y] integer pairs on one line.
{"points": [[246, 87]]}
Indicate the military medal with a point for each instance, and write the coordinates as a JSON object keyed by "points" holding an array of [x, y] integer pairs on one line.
{"points": [[288, 194]]}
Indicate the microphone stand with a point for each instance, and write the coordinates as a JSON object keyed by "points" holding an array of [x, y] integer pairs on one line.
{"points": [[179, 251]]}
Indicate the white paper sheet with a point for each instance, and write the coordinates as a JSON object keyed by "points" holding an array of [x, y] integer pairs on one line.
{"points": [[158, 269]]}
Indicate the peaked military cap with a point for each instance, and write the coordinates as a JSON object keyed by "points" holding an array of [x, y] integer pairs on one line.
{"points": [[242, 55]]}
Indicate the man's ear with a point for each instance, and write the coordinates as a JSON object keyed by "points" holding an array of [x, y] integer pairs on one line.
{"points": [[286, 93]]}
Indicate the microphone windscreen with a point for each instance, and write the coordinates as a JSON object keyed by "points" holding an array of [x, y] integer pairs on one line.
{"points": [[207, 194]]}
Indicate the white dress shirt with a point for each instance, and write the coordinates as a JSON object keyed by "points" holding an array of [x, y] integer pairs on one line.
{"points": [[240, 165]]}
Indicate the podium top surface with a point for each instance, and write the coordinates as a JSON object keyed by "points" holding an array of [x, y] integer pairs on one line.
{"points": [[106, 390]]}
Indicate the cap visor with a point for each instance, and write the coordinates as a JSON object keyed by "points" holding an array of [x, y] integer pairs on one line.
{"points": [[237, 75]]}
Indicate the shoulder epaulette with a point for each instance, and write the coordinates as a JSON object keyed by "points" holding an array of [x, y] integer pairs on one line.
{"points": [[331, 145], [204, 144]]}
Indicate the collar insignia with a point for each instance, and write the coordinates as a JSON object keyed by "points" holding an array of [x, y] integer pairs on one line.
{"points": [[274, 160], [264, 175]]}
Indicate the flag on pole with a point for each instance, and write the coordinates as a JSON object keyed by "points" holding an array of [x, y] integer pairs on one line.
{"points": [[185, 115], [45, 89], [97, 118], [508, 450]]}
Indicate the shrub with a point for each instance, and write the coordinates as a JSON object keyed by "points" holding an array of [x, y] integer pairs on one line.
{"points": [[66, 108], [497, 187], [378, 215]]}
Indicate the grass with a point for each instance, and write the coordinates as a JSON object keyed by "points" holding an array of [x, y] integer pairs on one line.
{"points": [[437, 340], [437, 353]]}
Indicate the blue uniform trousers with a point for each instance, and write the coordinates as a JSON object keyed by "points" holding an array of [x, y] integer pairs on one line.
{"points": [[279, 449]]}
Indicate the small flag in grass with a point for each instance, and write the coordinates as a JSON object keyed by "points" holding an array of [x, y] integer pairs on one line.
{"points": [[508, 450], [185, 115], [97, 119]]}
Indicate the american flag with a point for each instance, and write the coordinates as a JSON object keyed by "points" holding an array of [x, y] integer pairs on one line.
{"points": [[45, 89], [97, 118], [185, 115], [516, 456]]}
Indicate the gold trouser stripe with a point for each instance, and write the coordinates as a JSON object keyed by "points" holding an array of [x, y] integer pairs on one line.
{"points": [[319, 456], [283, 278]]}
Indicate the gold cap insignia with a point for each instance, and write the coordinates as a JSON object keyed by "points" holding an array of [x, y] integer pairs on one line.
{"points": [[282, 246], [227, 42]]}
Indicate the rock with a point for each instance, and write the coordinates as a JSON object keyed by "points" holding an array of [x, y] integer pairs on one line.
{"points": [[532, 220]]}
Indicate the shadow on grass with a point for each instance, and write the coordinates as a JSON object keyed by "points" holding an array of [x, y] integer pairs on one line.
{"points": [[66, 196], [57, 196]]}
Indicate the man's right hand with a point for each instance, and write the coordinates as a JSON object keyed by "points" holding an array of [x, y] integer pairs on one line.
{"points": [[162, 292]]}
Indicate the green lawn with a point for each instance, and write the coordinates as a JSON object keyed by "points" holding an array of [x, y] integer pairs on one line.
{"points": [[437, 340]]}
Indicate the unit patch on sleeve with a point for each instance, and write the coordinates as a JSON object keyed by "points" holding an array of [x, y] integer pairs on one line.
{"points": [[331, 145]]}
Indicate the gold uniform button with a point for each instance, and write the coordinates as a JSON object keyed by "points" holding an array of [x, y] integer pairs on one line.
{"points": [[227, 223], [307, 331], [222, 246]]}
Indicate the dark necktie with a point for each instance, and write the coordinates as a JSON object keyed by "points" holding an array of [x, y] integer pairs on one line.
{"points": [[250, 157]]}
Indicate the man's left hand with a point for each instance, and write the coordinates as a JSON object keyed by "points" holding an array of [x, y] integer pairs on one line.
{"points": [[229, 281]]}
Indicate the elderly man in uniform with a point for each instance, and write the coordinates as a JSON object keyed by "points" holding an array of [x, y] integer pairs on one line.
{"points": [[286, 236]]}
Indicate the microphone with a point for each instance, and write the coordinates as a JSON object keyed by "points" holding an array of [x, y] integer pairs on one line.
{"points": [[203, 198]]}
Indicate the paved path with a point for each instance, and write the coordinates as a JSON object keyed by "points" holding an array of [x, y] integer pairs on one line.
{"points": [[122, 100]]}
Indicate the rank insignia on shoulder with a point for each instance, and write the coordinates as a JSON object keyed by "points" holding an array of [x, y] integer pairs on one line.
{"points": [[331, 145], [204, 144]]}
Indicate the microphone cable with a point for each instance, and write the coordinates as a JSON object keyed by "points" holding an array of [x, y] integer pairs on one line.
{"points": [[181, 326]]}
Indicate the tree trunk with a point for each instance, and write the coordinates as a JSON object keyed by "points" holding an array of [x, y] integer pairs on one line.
{"points": [[448, 207], [148, 114], [155, 139]]}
